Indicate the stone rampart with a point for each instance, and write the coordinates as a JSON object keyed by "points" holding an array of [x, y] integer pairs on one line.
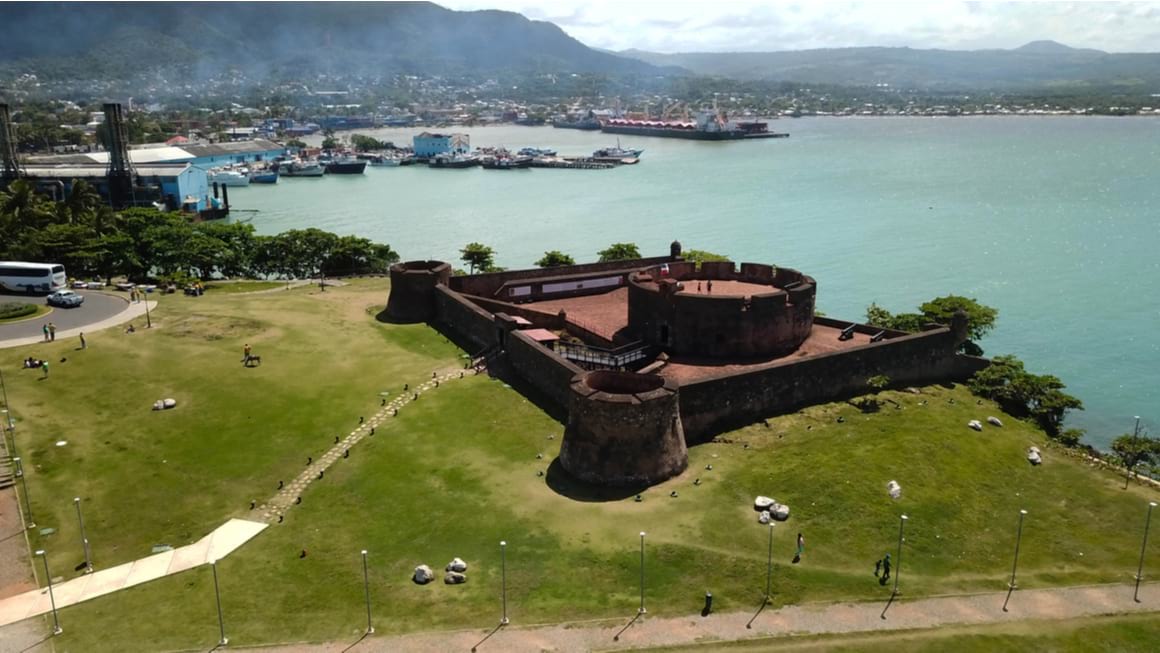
{"points": [[540, 366], [470, 322], [716, 404], [488, 284], [413, 283], [623, 429]]}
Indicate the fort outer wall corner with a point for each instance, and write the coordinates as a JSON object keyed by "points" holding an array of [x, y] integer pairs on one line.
{"points": [[413, 283], [716, 404], [624, 429]]}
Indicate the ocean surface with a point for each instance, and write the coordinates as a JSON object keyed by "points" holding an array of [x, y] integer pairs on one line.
{"points": [[1055, 221]]}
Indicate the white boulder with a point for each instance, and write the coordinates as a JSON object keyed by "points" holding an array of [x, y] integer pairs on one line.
{"points": [[423, 575], [763, 503], [169, 403], [763, 517], [975, 424], [894, 490], [454, 578], [1033, 456], [780, 513], [994, 421], [457, 564]]}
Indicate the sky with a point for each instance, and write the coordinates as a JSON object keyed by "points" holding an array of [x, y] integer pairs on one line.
{"points": [[746, 25]]}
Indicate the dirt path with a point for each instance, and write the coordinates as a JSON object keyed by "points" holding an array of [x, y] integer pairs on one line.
{"points": [[810, 619]]}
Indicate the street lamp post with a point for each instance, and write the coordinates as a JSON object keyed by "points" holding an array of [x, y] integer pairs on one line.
{"points": [[898, 560], [84, 537], [1018, 540], [218, 596], [503, 580], [641, 610], [1143, 547], [367, 591], [769, 565], [56, 629], [24, 486]]}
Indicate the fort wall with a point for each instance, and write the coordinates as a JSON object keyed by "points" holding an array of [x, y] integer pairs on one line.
{"points": [[716, 404], [540, 366], [487, 284], [472, 323]]}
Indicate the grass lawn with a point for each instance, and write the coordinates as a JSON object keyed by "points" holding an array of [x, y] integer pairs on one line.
{"points": [[458, 471], [225, 287], [1121, 634]]}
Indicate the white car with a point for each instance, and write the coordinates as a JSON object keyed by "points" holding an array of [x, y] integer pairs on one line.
{"points": [[65, 299]]}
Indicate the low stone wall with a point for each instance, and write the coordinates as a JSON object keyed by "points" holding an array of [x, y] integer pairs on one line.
{"points": [[486, 285], [716, 404], [537, 318], [466, 319], [541, 367]]}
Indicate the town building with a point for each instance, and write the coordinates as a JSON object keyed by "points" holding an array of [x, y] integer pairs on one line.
{"points": [[428, 144]]}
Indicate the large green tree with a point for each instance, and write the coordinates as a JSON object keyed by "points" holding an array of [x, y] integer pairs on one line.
{"points": [[1039, 397], [940, 310], [619, 252], [478, 257], [555, 258], [1135, 449]]}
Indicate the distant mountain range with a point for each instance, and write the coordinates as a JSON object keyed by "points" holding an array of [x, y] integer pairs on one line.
{"points": [[120, 38], [1035, 65]]}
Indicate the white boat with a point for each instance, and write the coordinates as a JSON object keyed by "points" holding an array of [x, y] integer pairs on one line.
{"points": [[228, 177], [385, 161]]}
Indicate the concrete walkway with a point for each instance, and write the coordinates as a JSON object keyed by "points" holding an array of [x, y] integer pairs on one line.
{"points": [[131, 312], [218, 544], [809, 619]]}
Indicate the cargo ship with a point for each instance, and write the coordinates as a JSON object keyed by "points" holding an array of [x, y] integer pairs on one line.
{"points": [[588, 122], [708, 126]]}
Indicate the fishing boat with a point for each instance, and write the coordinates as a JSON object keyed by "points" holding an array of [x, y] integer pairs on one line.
{"points": [[616, 153], [346, 165], [455, 160], [296, 168], [536, 151], [379, 161], [506, 162], [267, 176], [228, 177]]}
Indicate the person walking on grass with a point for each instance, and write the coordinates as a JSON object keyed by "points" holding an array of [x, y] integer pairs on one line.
{"points": [[83, 343], [801, 548], [246, 353], [44, 368]]}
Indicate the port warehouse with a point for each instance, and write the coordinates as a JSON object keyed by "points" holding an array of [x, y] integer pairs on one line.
{"points": [[181, 173]]}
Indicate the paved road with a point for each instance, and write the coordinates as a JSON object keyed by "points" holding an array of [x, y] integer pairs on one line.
{"points": [[97, 307]]}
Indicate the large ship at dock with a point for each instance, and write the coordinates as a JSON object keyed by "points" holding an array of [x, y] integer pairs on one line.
{"points": [[708, 126]]}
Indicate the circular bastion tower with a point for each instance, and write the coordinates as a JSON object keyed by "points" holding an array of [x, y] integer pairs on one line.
{"points": [[413, 284], [716, 310], [623, 429]]}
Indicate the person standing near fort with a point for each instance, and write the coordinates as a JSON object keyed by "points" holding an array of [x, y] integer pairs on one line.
{"points": [[246, 353], [51, 332], [801, 548], [45, 330], [83, 343]]}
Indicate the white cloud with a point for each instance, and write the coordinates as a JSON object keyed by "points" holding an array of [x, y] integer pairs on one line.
{"points": [[745, 25]]}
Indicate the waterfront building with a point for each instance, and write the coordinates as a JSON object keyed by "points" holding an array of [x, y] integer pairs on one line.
{"points": [[209, 155], [428, 144], [174, 185]]}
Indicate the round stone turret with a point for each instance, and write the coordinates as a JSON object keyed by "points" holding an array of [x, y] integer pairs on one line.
{"points": [[413, 289], [675, 249], [623, 429]]}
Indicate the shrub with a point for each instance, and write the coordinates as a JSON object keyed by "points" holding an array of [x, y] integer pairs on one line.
{"points": [[12, 310]]}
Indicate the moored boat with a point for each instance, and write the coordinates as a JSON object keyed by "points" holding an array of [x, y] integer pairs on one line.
{"points": [[268, 176], [346, 166], [453, 161], [228, 177], [301, 169]]}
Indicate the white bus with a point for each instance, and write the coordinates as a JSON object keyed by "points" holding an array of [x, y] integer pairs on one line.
{"points": [[18, 276]]}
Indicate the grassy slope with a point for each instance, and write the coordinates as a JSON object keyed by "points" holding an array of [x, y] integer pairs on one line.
{"points": [[457, 472]]}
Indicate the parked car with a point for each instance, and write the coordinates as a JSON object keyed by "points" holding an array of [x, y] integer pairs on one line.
{"points": [[65, 299]]}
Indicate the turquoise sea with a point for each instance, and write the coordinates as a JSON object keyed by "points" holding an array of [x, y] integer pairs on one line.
{"points": [[1053, 220]]}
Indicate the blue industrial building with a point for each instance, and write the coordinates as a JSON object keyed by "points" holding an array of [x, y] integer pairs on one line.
{"points": [[172, 185], [428, 144]]}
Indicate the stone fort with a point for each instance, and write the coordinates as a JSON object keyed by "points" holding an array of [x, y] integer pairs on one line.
{"points": [[652, 355]]}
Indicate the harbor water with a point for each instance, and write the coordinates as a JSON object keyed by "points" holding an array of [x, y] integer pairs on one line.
{"points": [[1052, 220]]}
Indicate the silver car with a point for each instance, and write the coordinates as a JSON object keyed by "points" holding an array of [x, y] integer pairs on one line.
{"points": [[65, 299]]}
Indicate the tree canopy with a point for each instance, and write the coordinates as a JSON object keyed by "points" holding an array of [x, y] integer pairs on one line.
{"points": [[1039, 397], [555, 258], [980, 318], [619, 252], [90, 239], [478, 257], [700, 256]]}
